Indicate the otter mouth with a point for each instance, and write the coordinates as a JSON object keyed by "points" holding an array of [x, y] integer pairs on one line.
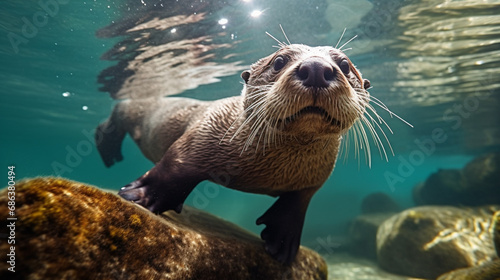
{"points": [[315, 111]]}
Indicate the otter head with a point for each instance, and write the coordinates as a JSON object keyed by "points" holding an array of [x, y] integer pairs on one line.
{"points": [[305, 92]]}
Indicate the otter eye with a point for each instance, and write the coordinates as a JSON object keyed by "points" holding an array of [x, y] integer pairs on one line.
{"points": [[279, 63], [344, 66]]}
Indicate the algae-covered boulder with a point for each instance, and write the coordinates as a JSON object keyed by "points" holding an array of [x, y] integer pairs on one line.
{"points": [[68, 230], [428, 241]]}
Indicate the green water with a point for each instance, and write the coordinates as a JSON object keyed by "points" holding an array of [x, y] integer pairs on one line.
{"points": [[50, 99]]}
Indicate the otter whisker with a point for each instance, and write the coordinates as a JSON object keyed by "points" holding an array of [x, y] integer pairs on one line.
{"points": [[355, 140], [264, 125], [379, 103], [360, 136], [252, 116], [375, 122], [256, 127], [375, 136], [259, 92], [379, 118], [393, 114], [242, 114], [281, 44], [266, 134], [284, 34], [271, 131], [254, 131], [364, 143], [257, 112], [279, 112], [344, 149], [357, 132], [260, 138], [248, 119], [340, 39], [249, 139], [273, 123], [369, 117], [355, 36]]}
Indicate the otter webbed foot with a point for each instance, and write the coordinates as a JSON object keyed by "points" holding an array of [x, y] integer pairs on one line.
{"points": [[158, 192], [108, 140], [149, 195], [284, 222], [281, 237]]}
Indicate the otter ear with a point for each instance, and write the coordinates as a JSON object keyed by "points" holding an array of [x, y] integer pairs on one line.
{"points": [[366, 83], [245, 75]]}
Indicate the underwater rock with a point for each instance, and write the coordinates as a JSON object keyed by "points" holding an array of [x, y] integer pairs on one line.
{"points": [[487, 271], [441, 188], [428, 241], [476, 184], [482, 179], [363, 234], [68, 230], [379, 202], [496, 232]]}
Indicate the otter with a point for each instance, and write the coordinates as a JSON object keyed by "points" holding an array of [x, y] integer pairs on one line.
{"points": [[282, 133]]}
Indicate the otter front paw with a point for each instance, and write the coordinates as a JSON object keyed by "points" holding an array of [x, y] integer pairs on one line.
{"points": [[284, 221], [281, 236], [152, 195]]}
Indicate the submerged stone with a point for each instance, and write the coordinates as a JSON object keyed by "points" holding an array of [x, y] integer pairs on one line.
{"points": [[363, 234], [486, 271], [69, 230], [428, 241], [496, 232], [482, 178], [379, 202], [478, 183], [443, 187]]}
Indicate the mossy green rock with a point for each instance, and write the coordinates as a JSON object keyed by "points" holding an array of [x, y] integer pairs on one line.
{"points": [[68, 230], [428, 241]]}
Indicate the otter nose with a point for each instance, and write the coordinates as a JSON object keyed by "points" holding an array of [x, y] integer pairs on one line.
{"points": [[315, 72]]}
